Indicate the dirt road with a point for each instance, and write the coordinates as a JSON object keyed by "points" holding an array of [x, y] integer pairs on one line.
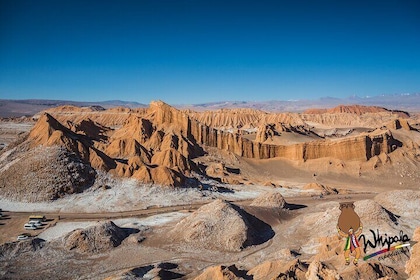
{"points": [[12, 223]]}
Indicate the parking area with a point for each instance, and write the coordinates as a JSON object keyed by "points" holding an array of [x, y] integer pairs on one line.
{"points": [[12, 225]]}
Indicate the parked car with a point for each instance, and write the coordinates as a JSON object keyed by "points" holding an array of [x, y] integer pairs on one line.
{"points": [[30, 226], [23, 236], [36, 223]]}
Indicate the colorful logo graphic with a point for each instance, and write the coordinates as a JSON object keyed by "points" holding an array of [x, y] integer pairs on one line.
{"points": [[350, 227], [385, 241]]}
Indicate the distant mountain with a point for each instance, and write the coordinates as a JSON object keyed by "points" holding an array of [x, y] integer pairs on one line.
{"points": [[29, 107], [407, 102]]}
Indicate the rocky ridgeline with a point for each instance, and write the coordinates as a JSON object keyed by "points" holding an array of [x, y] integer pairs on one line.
{"points": [[157, 145]]}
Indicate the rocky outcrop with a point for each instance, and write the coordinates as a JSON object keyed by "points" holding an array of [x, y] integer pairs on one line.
{"points": [[31, 179], [169, 117], [49, 132], [173, 159], [266, 132], [10, 250], [221, 272], [157, 145], [319, 270], [155, 272], [126, 148], [370, 270], [355, 148], [113, 117], [399, 124], [269, 131], [270, 200], [320, 188], [242, 119], [92, 129], [221, 226], [412, 266], [229, 118], [95, 239], [357, 110], [279, 269], [139, 149], [159, 175], [216, 170]]}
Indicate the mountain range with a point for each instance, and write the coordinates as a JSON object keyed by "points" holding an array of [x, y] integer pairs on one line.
{"points": [[407, 101]]}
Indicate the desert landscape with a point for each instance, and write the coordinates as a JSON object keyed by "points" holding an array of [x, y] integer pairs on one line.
{"points": [[160, 192]]}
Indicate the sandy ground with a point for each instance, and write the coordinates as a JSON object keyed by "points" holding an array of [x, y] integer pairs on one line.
{"points": [[10, 131], [63, 227], [130, 204], [128, 195], [126, 199]]}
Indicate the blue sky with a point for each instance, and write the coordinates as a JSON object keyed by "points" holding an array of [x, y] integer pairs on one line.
{"points": [[191, 51]]}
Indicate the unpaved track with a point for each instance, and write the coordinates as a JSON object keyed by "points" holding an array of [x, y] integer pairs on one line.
{"points": [[13, 224]]}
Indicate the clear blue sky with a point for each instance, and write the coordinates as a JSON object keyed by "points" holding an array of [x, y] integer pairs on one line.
{"points": [[192, 51]]}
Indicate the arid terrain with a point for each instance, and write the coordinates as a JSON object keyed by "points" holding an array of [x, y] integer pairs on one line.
{"points": [[242, 193]]}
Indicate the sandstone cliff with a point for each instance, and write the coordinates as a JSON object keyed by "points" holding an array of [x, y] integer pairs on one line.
{"points": [[158, 144], [357, 110], [362, 147]]}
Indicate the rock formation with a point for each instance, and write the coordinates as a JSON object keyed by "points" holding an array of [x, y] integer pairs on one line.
{"points": [[31, 179], [270, 200], [221, 226], [220, 272], [12, 250], [412, 267], [158, 144], [279, 269], [49, 132], [370, 270], [95, 239], [399, 124], [357, 110], [321, 188]]}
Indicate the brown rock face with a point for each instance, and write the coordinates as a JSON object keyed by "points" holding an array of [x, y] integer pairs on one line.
{"points": [[320, 270], [279, 270], [358, 148], [95, 239], [412, 266], [370, 270], [49, 132], [357, 110], [33, 180], [173, 159], [270, 200], [220, 272], [137, 149], [399, 124], [157, 145], [321, 188], [265, 132]]}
